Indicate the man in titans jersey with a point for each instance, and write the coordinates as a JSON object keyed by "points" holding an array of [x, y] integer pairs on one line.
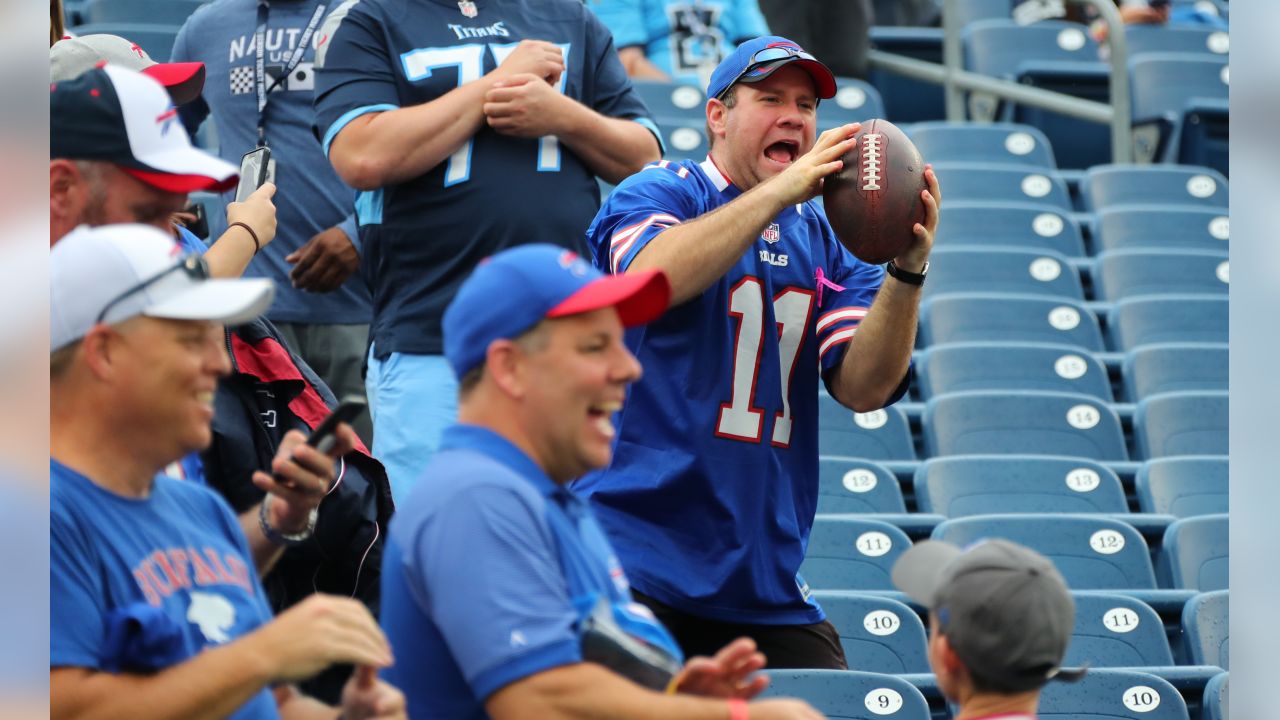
{"points": [[713, 485], [469, 127]]}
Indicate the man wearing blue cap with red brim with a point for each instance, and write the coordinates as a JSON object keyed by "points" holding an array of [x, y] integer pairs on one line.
{"points": [[713, 486]]}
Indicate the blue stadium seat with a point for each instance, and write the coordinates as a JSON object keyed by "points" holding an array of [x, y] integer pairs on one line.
{"points": [[994, 317], [1167, 318], [848, 695], [908, 99], [990, 182], [1001, 143], [1182, 185], [1174, 367], [847, 485], [1180, 108], [685, 142], [156, 40], [164, 12], [995, 485], [1092, 553], [877, 632], [1120, 274], [1025, 225], [1206, 624], [968, 11], [1022, 423], [855, 101], [969, 268], [672, 103], [1162, 227], [1111, 694], [1184, 486], [1181, 423], [1176, 39], [1115, 630], [1216, 692], [877, 435], [1196, 553], [956, 367], [848, 553]]}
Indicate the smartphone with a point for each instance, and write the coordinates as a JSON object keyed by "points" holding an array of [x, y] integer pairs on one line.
{"points": [[199, 228], [254, 167], [349, 409]]}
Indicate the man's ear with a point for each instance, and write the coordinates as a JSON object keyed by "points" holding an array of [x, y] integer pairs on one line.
{"points": [[504, 362], [68, 192], [716, 112], [100, 350]]}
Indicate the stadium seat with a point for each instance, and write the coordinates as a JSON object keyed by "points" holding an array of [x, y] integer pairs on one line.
{"points": [[156, 40], [1009, 318], [1167, 318], [1182, 185], [968, 11], [965, 269], [908, 99], [1196, 553], [877, 632], [1112, 694], [1022, 422], [1180, 108], [1181, 423], [1115, 630], [847, 485], [685, 142], [1206, 624], [1092, 553], [165, 12], [1024, 225], [877, 435], [955, 367], [1216, 693], [1175, 367], [1000, 143], [1162, 227], [989, 182], [1176, 39], [672, 103], [1119, 274], [855, 101], [994, 485], [848, 695], [848, 553], [1183, 486]]}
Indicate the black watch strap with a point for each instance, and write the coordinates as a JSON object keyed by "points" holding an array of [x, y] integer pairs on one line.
{"points": [[909, 278]]}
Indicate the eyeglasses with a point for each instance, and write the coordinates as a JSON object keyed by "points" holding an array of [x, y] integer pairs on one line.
{"points": [[762, 59], [193, 266]]}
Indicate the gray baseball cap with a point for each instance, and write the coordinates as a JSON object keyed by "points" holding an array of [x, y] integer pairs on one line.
{"points": [[1004, 608], [72, 57]]}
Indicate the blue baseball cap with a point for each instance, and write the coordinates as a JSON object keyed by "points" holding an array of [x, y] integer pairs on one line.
{"points": [[516, 289], [757, 59]]}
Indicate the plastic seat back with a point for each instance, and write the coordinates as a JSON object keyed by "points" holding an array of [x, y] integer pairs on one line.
{"points": [[1137, 321], [848, 695], [987, 182], [1206, 626], [1022, 423], [1184, 486], [1175, 367], [877, 435], [1113, 630], [847, 485], [1196, 551], [1023, 225], [973, 317], [877, 632], [1129, 273], [1182, 423], [1161, 227], [956, 367], [1112, 694], [1106, 186], [998, 484], [1003, 143], [847, 553]]}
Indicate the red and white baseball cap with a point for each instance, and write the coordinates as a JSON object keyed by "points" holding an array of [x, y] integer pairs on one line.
{"points": [[123, 117], [71, 57]]}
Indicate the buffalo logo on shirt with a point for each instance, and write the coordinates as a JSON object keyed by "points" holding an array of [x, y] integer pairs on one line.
{"points": [[213, 614]]}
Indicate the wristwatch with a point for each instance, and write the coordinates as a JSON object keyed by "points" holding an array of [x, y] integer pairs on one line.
{"points": [[909, 278], [281, 538]]}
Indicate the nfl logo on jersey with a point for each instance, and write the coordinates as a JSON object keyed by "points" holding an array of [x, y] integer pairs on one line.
{"points": [[771, 234], [468, 8]]}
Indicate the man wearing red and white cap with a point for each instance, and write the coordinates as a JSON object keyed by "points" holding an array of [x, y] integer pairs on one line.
{"points": [[71, 57]]}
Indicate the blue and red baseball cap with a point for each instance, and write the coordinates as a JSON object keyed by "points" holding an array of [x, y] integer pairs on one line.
{"points": [[757, 59], [514, 290]]}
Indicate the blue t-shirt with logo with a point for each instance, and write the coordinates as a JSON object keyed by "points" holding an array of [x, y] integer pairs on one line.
{"points": [[141, 584]]}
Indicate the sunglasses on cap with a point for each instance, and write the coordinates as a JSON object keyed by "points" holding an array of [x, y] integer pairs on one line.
{"points": [[193, 266], [761, 62]]}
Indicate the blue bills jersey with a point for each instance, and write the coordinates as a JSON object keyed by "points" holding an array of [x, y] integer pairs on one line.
{"points": [[714, 481], [422, 237]]}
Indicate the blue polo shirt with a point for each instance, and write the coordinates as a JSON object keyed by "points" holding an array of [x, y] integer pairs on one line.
{"points": [[489, 573]]}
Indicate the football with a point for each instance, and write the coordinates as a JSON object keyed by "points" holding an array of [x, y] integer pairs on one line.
{"points": [[874, 201]]}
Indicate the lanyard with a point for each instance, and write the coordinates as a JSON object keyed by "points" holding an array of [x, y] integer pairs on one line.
{"points": [[290, 63]]}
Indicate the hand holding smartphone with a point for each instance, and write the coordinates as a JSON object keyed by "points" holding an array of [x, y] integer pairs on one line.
{"points": [[322, 438]]}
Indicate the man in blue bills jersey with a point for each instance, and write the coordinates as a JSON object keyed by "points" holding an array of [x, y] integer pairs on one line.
{"points": [[468, 127], [714, 481]]}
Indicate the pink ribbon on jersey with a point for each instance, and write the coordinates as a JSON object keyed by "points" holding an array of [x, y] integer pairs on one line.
{"points": [[822, 280]]}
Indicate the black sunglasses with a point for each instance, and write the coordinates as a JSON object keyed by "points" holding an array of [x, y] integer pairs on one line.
{"points": [[193, 266], [762, 59]]}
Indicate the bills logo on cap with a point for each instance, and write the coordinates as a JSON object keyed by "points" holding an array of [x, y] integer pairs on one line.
{"points": [[570, 261], [772, 234], [166, 118]]}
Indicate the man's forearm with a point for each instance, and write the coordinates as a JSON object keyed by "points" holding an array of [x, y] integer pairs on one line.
{"points": [[265, 553], [587, 691], [697, 253], [880, 352], [612, 148]]}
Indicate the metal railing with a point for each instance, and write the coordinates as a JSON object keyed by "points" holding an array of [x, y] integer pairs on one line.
{"points": [[956, 80]]}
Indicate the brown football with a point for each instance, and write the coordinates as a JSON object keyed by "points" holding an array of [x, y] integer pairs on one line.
{"points": [[874, 201]]}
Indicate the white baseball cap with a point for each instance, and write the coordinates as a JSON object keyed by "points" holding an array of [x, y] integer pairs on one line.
{"points": [[112, 273]]}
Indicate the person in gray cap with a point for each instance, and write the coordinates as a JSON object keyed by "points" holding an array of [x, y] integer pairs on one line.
{"points": [[1000, 619]]}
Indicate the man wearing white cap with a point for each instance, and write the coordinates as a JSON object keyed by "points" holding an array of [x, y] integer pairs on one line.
{"points": [[157, 605]]}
